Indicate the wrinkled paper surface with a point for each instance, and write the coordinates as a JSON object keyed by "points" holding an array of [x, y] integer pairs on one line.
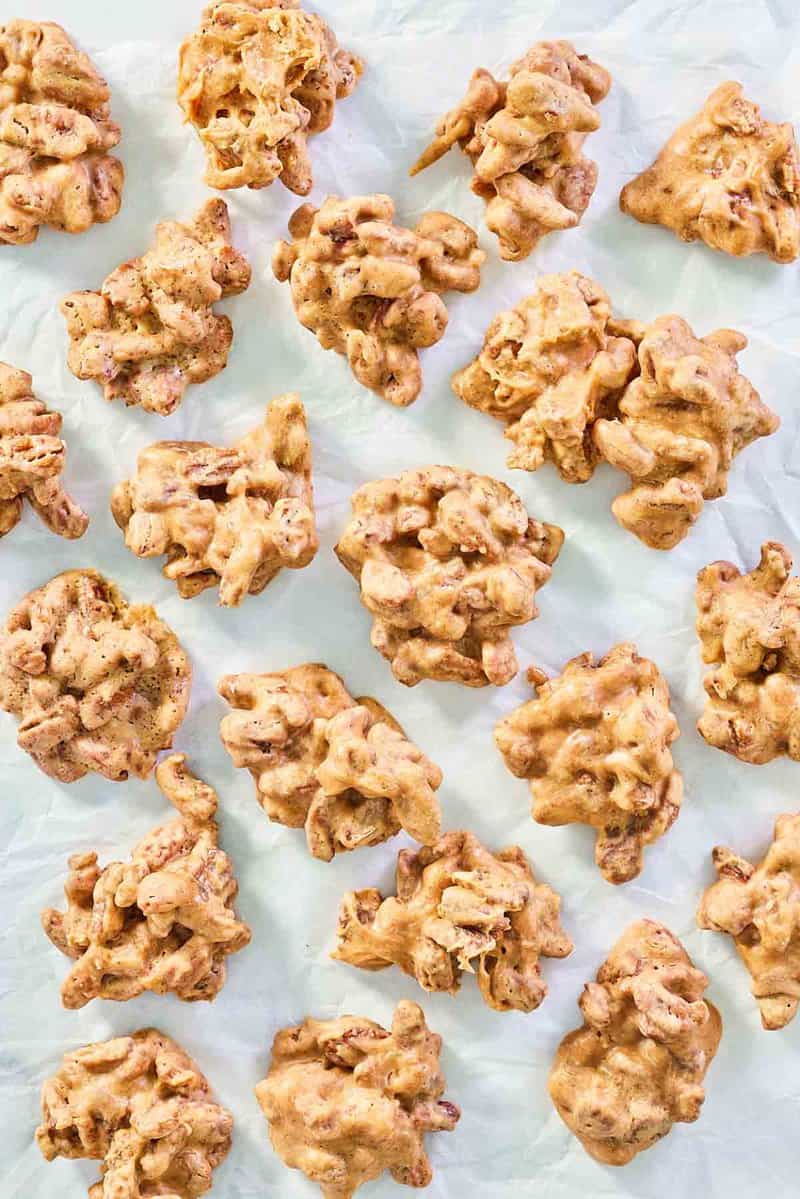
{"points": [[665, 58]]}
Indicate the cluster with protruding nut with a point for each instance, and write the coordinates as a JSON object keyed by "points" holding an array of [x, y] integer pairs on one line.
{"points": [[164, 921], [749, 630], [140, 1105], [346, 1099], [678, 427], [447, 562], [152, 330], [728, 177], [595, 747], [638, 1064], [759, 906], [227, 518], [548, 369], [458, 904], [55, 136], [525, 140], [372, 290], [256, 80], [97, 684], [32, 459], [340, 768]]}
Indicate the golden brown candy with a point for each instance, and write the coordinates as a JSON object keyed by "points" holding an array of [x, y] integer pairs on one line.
{"points": [[227, 518], [256, 80], [548, 369], [678, 428], [749, 630], [726, 176], [55, 136], [372, 290], [96, 683], [595, 747], [759, 906], [152, 330], [140, 1106], [164, 921], [345, 1100], [447, 562], [31, 460], [525, 141], [459, 908], [638, 1064], [339, 767]]}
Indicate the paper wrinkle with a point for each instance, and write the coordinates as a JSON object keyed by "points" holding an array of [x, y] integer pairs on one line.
{"points": [[665, 57]]}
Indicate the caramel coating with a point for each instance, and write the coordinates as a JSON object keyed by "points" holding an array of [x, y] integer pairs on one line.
{"points": [[637, 1065], [345, 1100], [458, 903], [55, 134], [749, 630], [227, 518], [727, 177], [447, 562], [140, 1105], [548, 368], [163, 922], [595, 747], [339, 767], [97, 684], [256, 80], [371, 290], [679, 426], [525, 140], [31, 460], [151, 330], [759, 906]]}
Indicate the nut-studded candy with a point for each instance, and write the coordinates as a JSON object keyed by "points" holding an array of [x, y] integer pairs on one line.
{"points": [[759, 906], [231, 518], [257, 80], [726, 176], [749, 630], [164, 921], [548, 369], [679, 426], [55, 136], [595, 747], [152, 330], [447, 562], [345, 1100], [525, 140], [638, 1064], [32, 459], [97, 684], [458, 904], [340, 768], [372, 290], [139, 1105]]}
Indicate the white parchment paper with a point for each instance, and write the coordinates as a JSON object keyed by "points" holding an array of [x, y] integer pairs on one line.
{"points": [[665, 57]]}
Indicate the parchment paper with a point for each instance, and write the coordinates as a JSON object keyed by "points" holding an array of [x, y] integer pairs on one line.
{"points": [[665, 58]]}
